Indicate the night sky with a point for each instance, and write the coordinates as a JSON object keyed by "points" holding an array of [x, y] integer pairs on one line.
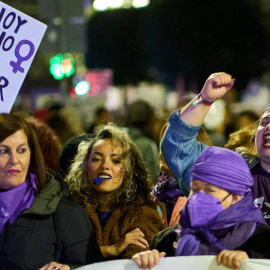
{"points": [[177, 38]]}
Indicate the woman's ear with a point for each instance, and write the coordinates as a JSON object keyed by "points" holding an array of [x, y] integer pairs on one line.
{"points": [[236, 198]]}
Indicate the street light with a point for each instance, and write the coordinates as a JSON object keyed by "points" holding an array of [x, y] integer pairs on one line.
{"points": [[62, 65], [103, 5], [82, 88]]}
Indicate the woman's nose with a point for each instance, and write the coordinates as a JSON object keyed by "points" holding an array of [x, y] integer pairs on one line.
{"points": [[13, 158], [106, 164]]}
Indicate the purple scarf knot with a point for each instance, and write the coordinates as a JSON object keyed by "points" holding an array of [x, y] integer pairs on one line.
{"points": [[166, 188], [15, 200], [228, 230]]}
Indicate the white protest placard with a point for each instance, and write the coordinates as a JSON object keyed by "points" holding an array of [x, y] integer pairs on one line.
{"points": [[20, 36], [180, 263]]}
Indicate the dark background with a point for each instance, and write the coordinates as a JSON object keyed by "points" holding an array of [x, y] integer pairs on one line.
{"points": [[175, 37], [170, 39]]}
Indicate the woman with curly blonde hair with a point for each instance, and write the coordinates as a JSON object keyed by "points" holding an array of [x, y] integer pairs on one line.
{"points": [[109, 178]]}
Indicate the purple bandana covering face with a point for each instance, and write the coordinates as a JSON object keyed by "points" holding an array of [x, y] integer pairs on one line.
{"points": [[223, 168], [14, 201], [241, 217], [202, 208], [228, 170]]}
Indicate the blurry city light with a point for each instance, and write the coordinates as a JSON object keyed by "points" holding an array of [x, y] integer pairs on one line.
{"points": [[62, 65], [140, 3], [101, 5], [115, 98], [56, 66], [116, 3], [82, 88], [67, 67], [216, 115]]}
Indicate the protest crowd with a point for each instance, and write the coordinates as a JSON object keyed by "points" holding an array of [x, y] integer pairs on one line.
{"points": [[133, 184], [115, 192]]}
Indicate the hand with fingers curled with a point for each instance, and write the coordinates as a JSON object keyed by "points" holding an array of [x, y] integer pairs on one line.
{"points": [[135, 237], [231, 258], [55, 266], [148, 259], [216, 86]]}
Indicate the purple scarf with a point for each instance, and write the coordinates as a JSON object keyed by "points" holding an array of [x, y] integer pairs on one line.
{"points": [[14, 201], [230, 229], [166, 188]]}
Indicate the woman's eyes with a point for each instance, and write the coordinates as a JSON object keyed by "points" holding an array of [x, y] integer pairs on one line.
{"points": [[21, 150], [3, 151], [116, 161], [209, 191], [205, 191], [264, 123]]}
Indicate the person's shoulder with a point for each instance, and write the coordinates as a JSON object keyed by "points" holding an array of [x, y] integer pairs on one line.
{"points": [[67, 205], [252, 160], [261, 234], [72, 214], [261, 229], [257, 245]]}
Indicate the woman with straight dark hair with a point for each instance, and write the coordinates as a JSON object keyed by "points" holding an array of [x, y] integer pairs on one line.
{"points": [[40, 227]]}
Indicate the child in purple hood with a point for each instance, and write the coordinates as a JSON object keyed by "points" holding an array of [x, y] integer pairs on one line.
{"points": [[219, 217]]}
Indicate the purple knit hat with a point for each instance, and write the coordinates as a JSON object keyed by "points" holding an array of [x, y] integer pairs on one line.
{"points": [[223, 168]]}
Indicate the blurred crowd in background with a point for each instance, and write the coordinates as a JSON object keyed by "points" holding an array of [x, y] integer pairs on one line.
{"points": [[147, 107]]}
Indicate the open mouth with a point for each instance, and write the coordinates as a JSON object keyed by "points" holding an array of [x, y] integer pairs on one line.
{"points": [[267, 140], [105, 177]]}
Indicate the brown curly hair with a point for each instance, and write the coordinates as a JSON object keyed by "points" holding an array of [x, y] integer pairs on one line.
{"points": [[49, 143], [136, 182], [243, 139]]}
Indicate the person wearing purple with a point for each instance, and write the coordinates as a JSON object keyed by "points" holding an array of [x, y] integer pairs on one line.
{"points": [[219, 217], [167, 189], [40, 226], [180, 148]]}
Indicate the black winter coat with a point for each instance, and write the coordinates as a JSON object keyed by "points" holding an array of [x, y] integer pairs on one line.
{"points": [[31, 241]]}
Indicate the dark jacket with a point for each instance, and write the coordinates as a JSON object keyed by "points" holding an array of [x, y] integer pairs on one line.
{"points": [[257, 246], [31, 241]]}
